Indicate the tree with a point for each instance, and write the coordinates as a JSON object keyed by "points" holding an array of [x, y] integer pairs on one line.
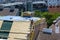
{"points": [[49, 17], [37, 13]]}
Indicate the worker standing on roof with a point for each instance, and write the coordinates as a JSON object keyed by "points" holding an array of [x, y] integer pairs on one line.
{"points": [[31, 25], [32, 22]]}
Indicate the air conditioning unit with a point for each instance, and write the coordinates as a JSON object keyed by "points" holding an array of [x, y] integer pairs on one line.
{"points": [[47, 31]]}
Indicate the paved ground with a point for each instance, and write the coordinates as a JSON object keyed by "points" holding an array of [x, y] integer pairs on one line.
{"points": [[43, 36], [38, 38]]}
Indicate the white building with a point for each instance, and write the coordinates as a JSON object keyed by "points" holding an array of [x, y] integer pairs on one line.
{"points": [[56, 27]]}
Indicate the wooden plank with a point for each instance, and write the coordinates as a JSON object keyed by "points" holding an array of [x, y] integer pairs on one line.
{"points": [[1, 23], [23, 27], [19, 27], [21, 36]]}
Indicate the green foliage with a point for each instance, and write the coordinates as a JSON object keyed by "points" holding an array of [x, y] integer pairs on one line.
{"points": [[37, 13], [50, 17]]}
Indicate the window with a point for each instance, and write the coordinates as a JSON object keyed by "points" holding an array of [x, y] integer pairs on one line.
{"points": [[1, 9], [58, 6], [11, 10], [57, 0], [46, 1], [50, 6], [5, 26], [53, 6]]}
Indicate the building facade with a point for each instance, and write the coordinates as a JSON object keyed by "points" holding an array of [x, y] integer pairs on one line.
{"points": [[28, 5], [54, 5], [18, 28]]}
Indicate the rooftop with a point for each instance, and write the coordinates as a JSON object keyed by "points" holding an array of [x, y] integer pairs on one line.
{"points": [[18, 18], [37, 2], [10, 4]]}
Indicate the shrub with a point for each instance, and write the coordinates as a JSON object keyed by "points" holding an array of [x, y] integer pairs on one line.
{"points": [[49, 17]]}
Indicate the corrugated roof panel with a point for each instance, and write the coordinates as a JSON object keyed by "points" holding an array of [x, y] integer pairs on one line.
{"points": [[38, 2]]}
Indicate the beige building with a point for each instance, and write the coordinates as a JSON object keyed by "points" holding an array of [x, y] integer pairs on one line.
{"points": [[18, 28]]}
